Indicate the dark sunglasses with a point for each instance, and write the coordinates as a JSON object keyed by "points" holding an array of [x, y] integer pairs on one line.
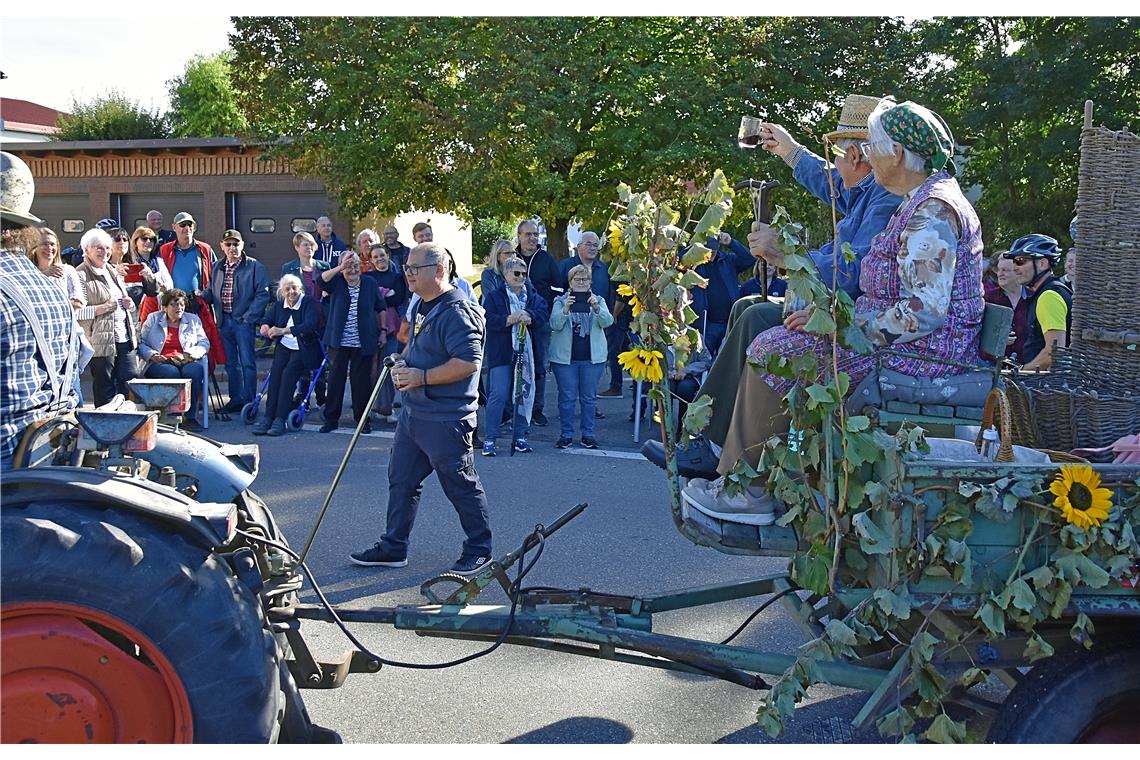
{"points": [[517, 274], [147, 239], [121, 239], [1021, 260], [186, 224]]}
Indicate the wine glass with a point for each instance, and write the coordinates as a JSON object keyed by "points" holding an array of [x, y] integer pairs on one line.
{"points": [[749, 135]]}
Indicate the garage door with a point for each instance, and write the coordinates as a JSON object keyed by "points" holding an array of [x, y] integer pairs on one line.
{"points": [[268, 222], [65, 213], [135, 205]]}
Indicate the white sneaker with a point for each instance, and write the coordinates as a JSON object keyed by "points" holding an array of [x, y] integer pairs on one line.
{"points": [[709, 497]]}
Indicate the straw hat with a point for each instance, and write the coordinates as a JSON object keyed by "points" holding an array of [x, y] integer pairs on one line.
{"points": [[853, 118]]}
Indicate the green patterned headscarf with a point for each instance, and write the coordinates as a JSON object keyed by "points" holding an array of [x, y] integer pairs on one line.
{"points": [[921, 131]]}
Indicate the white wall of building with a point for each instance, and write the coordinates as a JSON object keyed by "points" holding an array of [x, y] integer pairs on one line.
{"points": [[447, 229]]}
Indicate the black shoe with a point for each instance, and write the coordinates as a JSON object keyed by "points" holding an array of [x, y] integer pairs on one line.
{"points": [[367, 428], [538, 419], [563, 443], [610, 393], [695, 461], [476, 441], [377, 556], [232, 406], [469, 565], [277, 428], [589, 443], [261, 425], [191, 425], [328, 427]]}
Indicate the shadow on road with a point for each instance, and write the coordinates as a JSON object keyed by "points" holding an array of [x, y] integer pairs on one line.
{"points": [[578, 731]]}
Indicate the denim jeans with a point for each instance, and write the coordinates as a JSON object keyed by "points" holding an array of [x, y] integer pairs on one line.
{"points": [[500, 380], [577, 382], [241, 366]]}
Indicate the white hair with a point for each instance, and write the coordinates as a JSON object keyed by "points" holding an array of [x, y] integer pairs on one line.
{"points": [[289, 279], [883, 145], [589, 234], [371, 233], [846, 143], [93, 236]]}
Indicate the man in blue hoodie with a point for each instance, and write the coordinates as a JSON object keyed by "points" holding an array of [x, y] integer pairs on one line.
{"points": [[866, 208], [713, 303], [438, 374], [329, 246]]}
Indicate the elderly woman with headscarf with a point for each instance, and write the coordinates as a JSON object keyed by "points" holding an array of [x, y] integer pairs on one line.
{"points": [[172, 343], [111, 327], [922, 294], [293, 327]]}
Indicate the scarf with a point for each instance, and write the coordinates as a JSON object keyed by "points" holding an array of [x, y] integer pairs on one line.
{"points": [[522, 400], [921, 131]]}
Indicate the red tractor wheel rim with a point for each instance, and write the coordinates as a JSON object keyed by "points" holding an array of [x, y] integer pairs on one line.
{"points": [[76, 675]]}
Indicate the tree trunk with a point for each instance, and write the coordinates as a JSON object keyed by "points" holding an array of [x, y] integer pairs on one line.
{"points": [[556, 239]]}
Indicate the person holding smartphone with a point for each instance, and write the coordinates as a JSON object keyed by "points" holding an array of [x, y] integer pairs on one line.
{"points": [[578, 322]]}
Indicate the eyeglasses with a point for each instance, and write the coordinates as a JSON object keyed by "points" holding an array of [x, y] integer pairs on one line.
{"points": [[186, 224], [121, 239], [147, 239], [1020, 261], [417, 267], [517, 274], [865, 147], [230, 244]]}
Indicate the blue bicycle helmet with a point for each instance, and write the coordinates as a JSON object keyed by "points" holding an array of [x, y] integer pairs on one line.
{"points": [[1035, 246], [106, 224]]}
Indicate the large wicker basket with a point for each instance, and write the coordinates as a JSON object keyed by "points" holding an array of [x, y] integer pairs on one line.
{"points": [[1105, 336], [1091, 398]]}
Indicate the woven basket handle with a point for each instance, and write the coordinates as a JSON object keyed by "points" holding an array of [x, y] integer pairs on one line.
{"points": [[1004, 424]]}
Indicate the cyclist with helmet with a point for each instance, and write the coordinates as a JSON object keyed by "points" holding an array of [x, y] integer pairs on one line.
{"points": [[1049, 301]]}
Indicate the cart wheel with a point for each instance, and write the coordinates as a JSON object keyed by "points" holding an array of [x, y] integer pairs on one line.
{"points": [[1076, 696], [106, 619], [249, 412], [295, 420]]}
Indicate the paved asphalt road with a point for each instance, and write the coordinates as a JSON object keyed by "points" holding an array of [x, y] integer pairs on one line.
{"points": [[625, 542]]}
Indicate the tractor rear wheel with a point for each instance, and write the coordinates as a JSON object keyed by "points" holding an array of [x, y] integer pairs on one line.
{"points": [[116, 629], [1076, 696]]}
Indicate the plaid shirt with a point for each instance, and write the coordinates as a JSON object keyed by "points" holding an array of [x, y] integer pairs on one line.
{"points": [[228, 288], [25, 387]]}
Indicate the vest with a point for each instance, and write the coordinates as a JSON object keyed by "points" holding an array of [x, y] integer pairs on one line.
{"points": [[1034, 338]]}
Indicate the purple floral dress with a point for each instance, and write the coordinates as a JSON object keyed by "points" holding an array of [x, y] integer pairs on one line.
{"points": [[922, 292]]}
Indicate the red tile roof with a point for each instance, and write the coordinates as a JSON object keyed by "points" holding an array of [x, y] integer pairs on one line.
{"points": [[23, 115]]}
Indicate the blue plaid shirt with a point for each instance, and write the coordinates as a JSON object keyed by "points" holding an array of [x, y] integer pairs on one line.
{"points": [[25, 386]]}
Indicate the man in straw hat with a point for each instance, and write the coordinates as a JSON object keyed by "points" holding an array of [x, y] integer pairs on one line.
{"points": [[865, 208], [39, 343]]}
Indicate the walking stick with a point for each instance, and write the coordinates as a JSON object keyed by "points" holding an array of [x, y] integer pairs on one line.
{"points": [[516, 390], [758, 191]]}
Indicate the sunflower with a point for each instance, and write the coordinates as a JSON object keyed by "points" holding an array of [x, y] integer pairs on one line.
{"points": [[617, 242], [631, 294], [643, 364], [1079, 496]]}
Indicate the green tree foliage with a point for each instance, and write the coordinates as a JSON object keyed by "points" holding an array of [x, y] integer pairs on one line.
{"points": [[512, 117], [496, 117], [203, 100], [111, 116], [485, 231], [1014, 92]]}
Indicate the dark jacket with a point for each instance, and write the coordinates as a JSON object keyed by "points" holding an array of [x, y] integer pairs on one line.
{"points": [[599, 276], [453, 330], [499, 351], [369, 304], [393, 280], [399, 256], [304, 328], [724, 270], [543, 273], [330, 251], [251, 290]]}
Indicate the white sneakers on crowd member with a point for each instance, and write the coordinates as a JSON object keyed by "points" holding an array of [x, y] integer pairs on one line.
{"points": [[753, 507]]}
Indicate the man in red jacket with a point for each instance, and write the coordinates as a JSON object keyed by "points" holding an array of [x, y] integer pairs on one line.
{"points": [[189, 262]]}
